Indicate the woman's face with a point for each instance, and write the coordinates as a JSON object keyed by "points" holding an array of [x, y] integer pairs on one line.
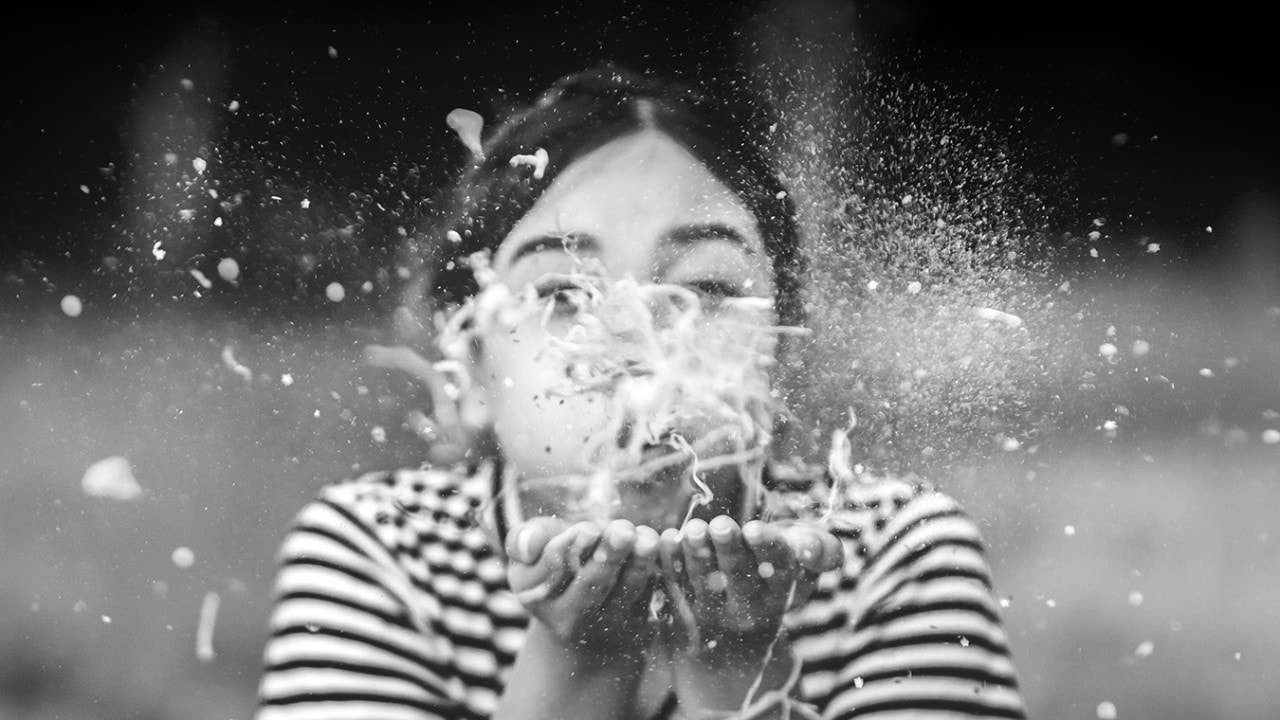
{"points": [[640, 206]]}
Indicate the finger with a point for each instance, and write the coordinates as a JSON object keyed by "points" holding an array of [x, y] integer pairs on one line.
{"points": [[526, 541], [700, 564], [550, 575], [775, 563], [806, 544], [635, 583], [732, 555]]}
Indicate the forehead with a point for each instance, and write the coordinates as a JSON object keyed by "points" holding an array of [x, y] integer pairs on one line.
{"points": [[643, 181]]}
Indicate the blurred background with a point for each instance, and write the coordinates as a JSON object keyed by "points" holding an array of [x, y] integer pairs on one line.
{"points": [[201, 210]]}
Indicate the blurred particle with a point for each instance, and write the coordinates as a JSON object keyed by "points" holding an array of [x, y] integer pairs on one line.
{"points": [[335, 292], [228, 269], [305, 204], [1069, 530], [286, 379], [111, 478], [1153, 248], [1135, 598], [229, 361], [84, 189], [467, 124], [205, 282], [183, 557], [71, 306], [1271, 436], [1006, 602], [538, 161], [1119, 139], [204, 631], [157, 251], [914, 287], [453, 237], [187, 84], [1009, 319], [1106, 711], [233, 106], [1010, 444], [1107, 350], [1144, 649], [1051, 603], [379, 434], [171, 158], [106, 619], [1206, 373], [333, 53], [1141, 348], [199, 164]]}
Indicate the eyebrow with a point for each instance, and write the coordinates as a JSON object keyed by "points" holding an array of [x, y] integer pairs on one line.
{"points": [[539, 243], [687, 234], [683, 235]]}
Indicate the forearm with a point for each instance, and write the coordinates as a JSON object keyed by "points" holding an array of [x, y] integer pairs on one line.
{"points": [[721, 683], [552, 681]]}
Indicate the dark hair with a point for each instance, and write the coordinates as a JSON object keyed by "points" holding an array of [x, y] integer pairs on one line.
{"points": [[578, 114]]}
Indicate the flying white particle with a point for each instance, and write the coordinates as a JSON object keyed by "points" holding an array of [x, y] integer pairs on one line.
{"points": [[183, 557], [228, 269], [467, 124], [1106, 710], [111, 478], [538, 161], [335, 292], [230, 362], [199, 165], [71, 306], [204, 631]]}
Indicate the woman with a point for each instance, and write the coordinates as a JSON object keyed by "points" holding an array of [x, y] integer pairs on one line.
{"points": [[621, 274]]}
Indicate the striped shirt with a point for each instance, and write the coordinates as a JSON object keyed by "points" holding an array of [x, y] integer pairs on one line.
{"points": [[391, 602]]}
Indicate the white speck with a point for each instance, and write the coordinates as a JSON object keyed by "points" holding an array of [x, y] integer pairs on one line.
{"points": [[1208, 228], [366, 287], [379, 434], [1010, 444], [907, 199], [335, 292], [157, 251], [286, 379], [1135, 598], [229, 361], [964, 641], [71, 306], [1107, 350], [106, 619], [1144, 649], [1111, 428], [872, 285], [186, 214], [305, 204], [1006, 602], [233, 106], [183, 557], [171, 158], [1069, 530], [914, 287], [1153, 248], [1141, 348], [1230, 362], [1206, 373], [858, 682], [199, 164], [1051, 603], [765, 569], [333, 53], [204, 631], [538, 161], [1106, 711], [187, 84], [717, 581], [1095, 235], [217, 222], [1093, 252], [467, 124], [454, 237], [781, 194], [1236, 656], [111, 478], [316, 414], [1009, 319], [1271, 436], [508, 382], [200, 278], [84, 189], [1099, 222], [773, 128], [80, 606], [228, 269]]}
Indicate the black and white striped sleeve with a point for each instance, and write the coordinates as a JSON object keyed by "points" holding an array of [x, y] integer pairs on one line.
{"points": [[348, 634]]}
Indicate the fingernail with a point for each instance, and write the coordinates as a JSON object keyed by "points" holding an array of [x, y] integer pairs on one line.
{"points": [[524, 545], [751, 531], [646, 542], [722, 526]]}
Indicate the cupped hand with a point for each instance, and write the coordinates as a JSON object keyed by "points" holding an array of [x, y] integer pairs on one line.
{"points": [[731, 584], [588, 585]]}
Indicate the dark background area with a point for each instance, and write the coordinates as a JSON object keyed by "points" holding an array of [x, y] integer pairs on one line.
{"points": [[1137, 574]]}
